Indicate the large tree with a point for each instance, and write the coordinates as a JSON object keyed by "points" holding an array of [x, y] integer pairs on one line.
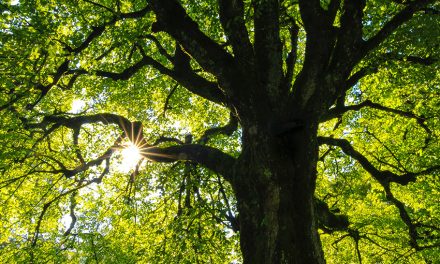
{"points": [[298, 125]]}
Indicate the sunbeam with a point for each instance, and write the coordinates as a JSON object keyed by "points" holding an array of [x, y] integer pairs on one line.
{"points": [[130, 157]]}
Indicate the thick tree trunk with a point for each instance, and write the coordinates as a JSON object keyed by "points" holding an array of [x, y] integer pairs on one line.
{"points": [[274, 184]]}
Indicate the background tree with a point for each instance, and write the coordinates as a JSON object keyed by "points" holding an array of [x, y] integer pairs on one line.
{"points": [[296, 126]]}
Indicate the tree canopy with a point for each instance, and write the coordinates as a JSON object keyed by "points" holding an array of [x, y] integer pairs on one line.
{"points": [[227, 102]]}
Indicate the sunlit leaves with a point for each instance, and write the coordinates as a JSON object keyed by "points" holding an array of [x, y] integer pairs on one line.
{"points": [[166, 213]]}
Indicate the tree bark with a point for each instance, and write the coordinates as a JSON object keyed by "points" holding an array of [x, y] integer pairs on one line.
{"points": [[274, 183]]}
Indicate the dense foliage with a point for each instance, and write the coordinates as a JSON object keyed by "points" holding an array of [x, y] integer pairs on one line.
{"points": [[76, 75]]}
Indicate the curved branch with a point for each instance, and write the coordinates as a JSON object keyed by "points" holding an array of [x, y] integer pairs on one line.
{"points": [[404, 216], [355, 77], [69, 173], [185, 77], [76, 122], [339, 111], [206, 156], [129, 71], [96, 162], [44, 89], [172, 18], [76, 132], [209, 157], [167, 100], [384, 177]]}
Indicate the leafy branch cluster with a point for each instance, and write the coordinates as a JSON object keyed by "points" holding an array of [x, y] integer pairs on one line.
{"points": [[284, 47]]}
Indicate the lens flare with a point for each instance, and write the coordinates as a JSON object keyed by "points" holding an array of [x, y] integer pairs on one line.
{"points": [[130, 157]]}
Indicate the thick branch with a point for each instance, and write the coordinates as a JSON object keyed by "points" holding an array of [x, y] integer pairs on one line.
{"points": [[185, 75], [209, 157], [313, 16], [349, 35], [187, 78], [172, 18], [76, 122], [206, 156], [232, 19], [314, 81]]}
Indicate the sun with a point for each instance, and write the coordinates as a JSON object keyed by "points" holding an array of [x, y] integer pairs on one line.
{"points": [[131, 155]]}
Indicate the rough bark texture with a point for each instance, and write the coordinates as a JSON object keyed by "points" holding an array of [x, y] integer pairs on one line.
{"points": [[274, 183]]}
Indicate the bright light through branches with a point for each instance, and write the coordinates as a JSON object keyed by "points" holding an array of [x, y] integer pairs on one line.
{"points": [[130, 157]]}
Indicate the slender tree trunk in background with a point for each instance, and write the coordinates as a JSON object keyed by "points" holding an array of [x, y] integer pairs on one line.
{"points": [[274, 185]]}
